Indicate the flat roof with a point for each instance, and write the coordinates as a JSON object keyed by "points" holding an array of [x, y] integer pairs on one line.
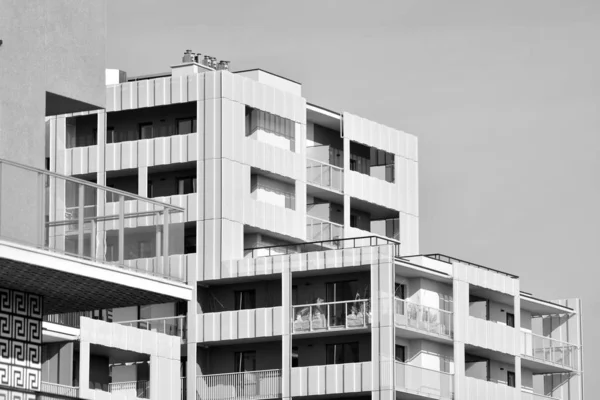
{"points": [[268, 72]]}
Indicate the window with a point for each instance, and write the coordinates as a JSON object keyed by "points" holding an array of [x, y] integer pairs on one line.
{"points": [[342, 353], [110, 135], [245, 299], [146, 130], [400, 291], [510, 378], [186, 185], [354, 221], [186, 125], [145, 249], [510, 319], [150, 189], [245, 361], [295, 358], [400, 353], [445, 364], [189, 240]]}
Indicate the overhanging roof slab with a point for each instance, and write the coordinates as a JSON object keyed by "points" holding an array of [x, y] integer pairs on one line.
{"points": [[70, 284]]}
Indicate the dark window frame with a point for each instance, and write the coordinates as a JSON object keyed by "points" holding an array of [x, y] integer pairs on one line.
{"points": [[239, 299], [193, 128], [141, 126], [331, 357]]}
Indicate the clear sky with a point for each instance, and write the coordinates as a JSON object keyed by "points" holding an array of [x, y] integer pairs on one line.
{"points": [[504, 97]]}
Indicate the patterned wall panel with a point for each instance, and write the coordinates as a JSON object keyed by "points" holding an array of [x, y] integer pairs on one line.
{"points": [[20, 344]]}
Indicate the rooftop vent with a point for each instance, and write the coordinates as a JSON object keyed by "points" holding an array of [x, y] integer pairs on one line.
{"points": [[223, 65], [188, 56]]}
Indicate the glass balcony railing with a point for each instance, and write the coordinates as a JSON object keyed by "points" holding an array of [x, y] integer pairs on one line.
{"points": [[425, 382], [549, 350], [240, 385], [322, 245], [319, 229], [423, 318], [535, 396], [70, 216], [325, 175], [333, 315], [172, 326]]}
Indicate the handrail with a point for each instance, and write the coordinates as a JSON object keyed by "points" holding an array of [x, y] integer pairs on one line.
{"points": [[58, 389], [321, 220], [322, 245], [325, 163], [425, 369], [237, 373], [565, 344], [448, 259], [249, 385], [151, 319], [90, 184]]}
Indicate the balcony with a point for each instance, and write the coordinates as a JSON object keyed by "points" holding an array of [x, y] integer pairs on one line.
{"points": [[491, 335], [535, 396], [338, 315], [332, 379], [424, 382], [69, 216], [240, 385], [549, 351], [172, 326], [130, 390], [318, 229], [322, 245], [241, 324], [60, 390], [324, 175], [478, 389], [424, 319]]}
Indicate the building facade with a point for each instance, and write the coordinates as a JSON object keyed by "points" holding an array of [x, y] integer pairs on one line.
{"points": [[296, 229]]}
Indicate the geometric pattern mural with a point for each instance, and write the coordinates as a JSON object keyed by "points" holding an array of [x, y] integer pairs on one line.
{"points": [[20, 344]]}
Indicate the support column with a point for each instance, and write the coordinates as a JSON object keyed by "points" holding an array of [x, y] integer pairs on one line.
{"points": [[84, 370], [143, 181], [517, 314], [460, 293], [383, 335], [346, 180], [286, 336]]}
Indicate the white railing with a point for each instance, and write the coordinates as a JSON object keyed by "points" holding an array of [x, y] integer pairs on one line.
{"points": [[549, 350], [422, 381], [318, 229], [61, 390], [535, 396], [424, 318], [324, 175], [173, 326], [240, 385], [332, 315], [139, 389]]}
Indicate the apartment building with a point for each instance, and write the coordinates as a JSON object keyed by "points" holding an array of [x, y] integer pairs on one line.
{"points": [[297, 229]]}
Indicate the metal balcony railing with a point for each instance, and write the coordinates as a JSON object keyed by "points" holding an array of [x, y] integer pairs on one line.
{"points": [[322, 245], [139, 389], [426, 382], [325, 175], [549, 350], [240, 385], [332, 315], [424, 318], [172, 326], [61, 390], [70, 216], [68, 319]]}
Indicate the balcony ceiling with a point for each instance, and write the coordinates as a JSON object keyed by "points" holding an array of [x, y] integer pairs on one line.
{"points": [[69, 284]]}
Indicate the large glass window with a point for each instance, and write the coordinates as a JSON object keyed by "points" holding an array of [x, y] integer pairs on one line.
{"points": [[186, 125], [245, 299], [186, 185], [342, 353], [146, 130], [245, 361]]}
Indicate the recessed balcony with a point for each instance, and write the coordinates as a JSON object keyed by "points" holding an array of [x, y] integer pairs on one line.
{"points": [[324, 175], [332, 316], [59, 390], [318, 229], [172, 326], [240, 385], [535, 396], [556, 356], [420, 318], [426, 383], [130, 390]]}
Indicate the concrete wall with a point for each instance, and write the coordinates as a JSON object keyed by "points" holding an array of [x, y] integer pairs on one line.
{"points": [[57, 363]]}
